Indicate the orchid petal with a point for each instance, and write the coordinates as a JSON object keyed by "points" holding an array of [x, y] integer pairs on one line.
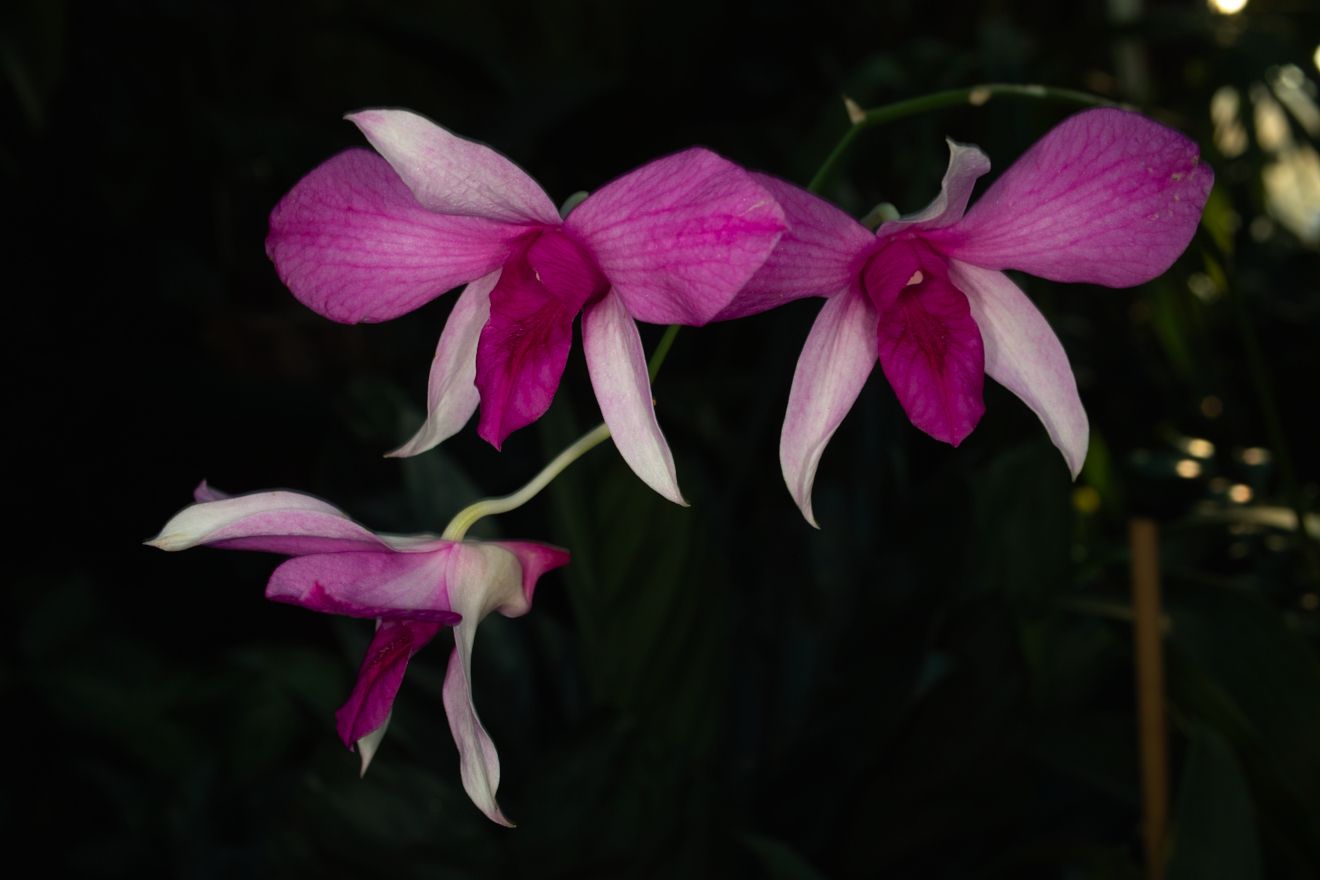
{"points": [[1106, 197], [1023, 354], [453, 175], [352, 244], [535, 560], [967, 164], [522, 351], [929, 346], [368, 707], [386, 584], [368, 745], [274, 522], [617, 366], [678, 237], [451, 393], [813, 258], [839, 354], [484, 578]]}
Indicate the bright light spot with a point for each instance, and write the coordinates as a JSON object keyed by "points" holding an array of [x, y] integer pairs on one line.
{"points": [[1240, 493], [1255, 456], [1310, 601], [1198, 448], [1316, 58], [1187, 468], [1086, 499], [1291, 76], [1228, 7], [1212, 407], [1230, 134], [1203, 287]]}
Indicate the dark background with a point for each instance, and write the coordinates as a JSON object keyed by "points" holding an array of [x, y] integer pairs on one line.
{"points": [[936, 684]]}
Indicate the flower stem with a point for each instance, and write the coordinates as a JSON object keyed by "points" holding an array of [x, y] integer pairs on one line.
{"points": [[468, 516], [661, 351], [973, 96]]}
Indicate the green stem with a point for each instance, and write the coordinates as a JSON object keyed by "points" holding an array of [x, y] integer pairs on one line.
{"points": [[468, 516], [662, 351], [973, 96]]}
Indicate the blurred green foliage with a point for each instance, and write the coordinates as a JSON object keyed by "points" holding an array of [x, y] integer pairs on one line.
{"points": [[936, 684]]}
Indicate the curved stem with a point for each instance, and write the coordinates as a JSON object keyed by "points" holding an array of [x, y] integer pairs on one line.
{"points": [[973, 96], [661, 351], [468, 516]]}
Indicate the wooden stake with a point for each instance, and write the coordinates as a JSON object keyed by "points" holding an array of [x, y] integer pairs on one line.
{"points": [[1148, 655]]}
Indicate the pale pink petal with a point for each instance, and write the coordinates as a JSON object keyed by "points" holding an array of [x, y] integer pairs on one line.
{"points": [[1107, 197], [368, 707], [453, 175], [815, 257], [206, 492], [451, 393], [967, 164], [617, 366], [524, 346], [275, 522], [386, 584], [678, 237], [352, 243], [483, 578], [1023, 354], [535, 559], [838, 356], [930, 348]]}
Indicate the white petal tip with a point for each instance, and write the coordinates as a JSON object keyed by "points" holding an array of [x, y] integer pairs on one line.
{"points": [[368, 745], [416, 446], [167, 542]]}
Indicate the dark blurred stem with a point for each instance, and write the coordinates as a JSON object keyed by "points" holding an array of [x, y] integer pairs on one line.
{"points": [[973, 96], [1278, 439], [1148, 658]]}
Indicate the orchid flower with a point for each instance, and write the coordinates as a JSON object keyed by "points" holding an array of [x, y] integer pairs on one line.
{"points": [[1107, 197], [412, 585], [368, 237]]}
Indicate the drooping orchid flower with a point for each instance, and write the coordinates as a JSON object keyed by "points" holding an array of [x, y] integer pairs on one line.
{"points": [[412, 585], [368, 237], [1107, 197]]}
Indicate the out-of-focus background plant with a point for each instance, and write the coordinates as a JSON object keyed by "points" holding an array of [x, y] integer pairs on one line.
{"points": [[937, 684]]}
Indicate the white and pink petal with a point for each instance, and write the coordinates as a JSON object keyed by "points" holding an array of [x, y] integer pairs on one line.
{"points": [[451, 394], [836, 360], [1024, 355], [617, 366], [452, 175], [290, 523]]}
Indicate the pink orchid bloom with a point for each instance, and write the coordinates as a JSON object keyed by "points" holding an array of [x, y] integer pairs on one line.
{"points": [[412, 585], [368, 237], [1107, 197]]}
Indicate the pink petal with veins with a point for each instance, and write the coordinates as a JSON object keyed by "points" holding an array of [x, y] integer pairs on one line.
{"points": [[352, 244], [1107, 197], [814, 257], [678, 237]]}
